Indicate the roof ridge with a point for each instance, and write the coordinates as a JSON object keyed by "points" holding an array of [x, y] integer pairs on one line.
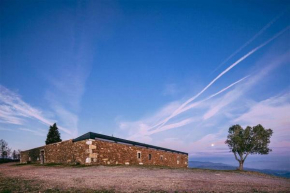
{"points": [[92, 135]]}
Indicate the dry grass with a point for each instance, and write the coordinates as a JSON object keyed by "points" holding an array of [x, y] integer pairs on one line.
{"points": [[9, 185], [71, 178]]}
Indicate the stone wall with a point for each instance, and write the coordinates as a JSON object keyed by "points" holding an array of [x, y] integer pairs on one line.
{"points": [[67, 152], [97, 152], [110, 153], [31, 155]]}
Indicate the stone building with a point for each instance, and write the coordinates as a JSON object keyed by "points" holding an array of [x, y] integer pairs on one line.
{"points": [[97, 149]]}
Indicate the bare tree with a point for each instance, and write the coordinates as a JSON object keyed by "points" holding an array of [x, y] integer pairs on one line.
{"points": [[14, 155], [5, 151], [18, 154]]}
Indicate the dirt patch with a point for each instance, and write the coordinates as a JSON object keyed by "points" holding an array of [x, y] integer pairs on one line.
{"points": [[136, 179]]}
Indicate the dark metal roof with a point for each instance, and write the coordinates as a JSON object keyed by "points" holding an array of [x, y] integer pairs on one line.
{"points": [[91, 135]]}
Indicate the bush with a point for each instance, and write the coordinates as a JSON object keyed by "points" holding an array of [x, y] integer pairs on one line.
{"points": [[7, 160]]}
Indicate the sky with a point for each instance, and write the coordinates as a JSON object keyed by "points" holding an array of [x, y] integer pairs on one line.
{"points": [[175, 74]]}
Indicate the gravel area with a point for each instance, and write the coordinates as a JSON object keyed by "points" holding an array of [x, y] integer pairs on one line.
{"points": [[136, 179]]}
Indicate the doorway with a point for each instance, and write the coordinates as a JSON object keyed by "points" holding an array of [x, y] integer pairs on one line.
{"points": [[41, 156]]}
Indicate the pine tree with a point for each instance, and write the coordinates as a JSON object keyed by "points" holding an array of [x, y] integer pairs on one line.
{"points": [[53, 135]]}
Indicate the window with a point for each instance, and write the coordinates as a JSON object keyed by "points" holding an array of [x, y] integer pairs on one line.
{"points": [[149, 157], [161, 157], [139, 155]]}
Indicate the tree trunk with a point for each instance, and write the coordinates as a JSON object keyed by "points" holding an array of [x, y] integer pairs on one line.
{"points": [[241, 167]]}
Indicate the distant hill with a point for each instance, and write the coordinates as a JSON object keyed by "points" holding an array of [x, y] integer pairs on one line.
{"points": [[221, 166]]}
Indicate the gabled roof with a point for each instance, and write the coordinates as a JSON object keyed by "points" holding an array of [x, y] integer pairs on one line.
{"points": [[91, 135]]}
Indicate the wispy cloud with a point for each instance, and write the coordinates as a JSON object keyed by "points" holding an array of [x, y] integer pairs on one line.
{"points": [[209, 145], [170, 89], [179, 109], [191, 106], [206, 108], [211, 96], [35, 132], [210, 116], [141, 128], [273, 113], [9, 115], [5, 129], [16, 111], [250, 40], [68, 84]]}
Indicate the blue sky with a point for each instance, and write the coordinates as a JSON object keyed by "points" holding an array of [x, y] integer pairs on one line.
{"points": [[176, 74]]}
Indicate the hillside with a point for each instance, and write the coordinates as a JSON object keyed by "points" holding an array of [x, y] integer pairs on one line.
{"points": [[35, 178]]}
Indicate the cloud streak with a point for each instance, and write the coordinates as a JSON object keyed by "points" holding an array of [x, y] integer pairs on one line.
{"points": [[179, 109], [67, 85], [140, 129], [16, 111], [35, 132], [187, 121], [250, 40], [271, 113]]}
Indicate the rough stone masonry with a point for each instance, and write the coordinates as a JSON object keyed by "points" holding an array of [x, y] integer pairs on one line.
{"points": [[104, 150]]}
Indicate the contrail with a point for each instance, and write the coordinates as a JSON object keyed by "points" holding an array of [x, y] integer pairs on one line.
{"points": [[213, 95], [199, 102], [177, 111], [249, 41]]}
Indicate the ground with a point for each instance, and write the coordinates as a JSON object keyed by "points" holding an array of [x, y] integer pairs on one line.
{"points": [[59, 178]]}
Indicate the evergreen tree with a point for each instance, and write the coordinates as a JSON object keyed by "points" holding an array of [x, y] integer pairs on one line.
{"points": [[53, 135]]}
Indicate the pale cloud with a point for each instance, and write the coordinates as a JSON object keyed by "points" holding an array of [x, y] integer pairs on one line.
{"points": [[173, 125], [196, 104], [16, 111], [271, 113], [170, 89], [9, 115], [235, 94], [35, 132], [201, 147], [67, 118], [250, 40], [218, 110], [183, 105], [224, 101], [205, 144], [67, 85], [141, 128], [5, 129]]}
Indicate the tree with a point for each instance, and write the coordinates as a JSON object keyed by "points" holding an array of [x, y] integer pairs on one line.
{"points": [[18, 154], [4, 149], [53, 135], [14, 154], [243, 142]]}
